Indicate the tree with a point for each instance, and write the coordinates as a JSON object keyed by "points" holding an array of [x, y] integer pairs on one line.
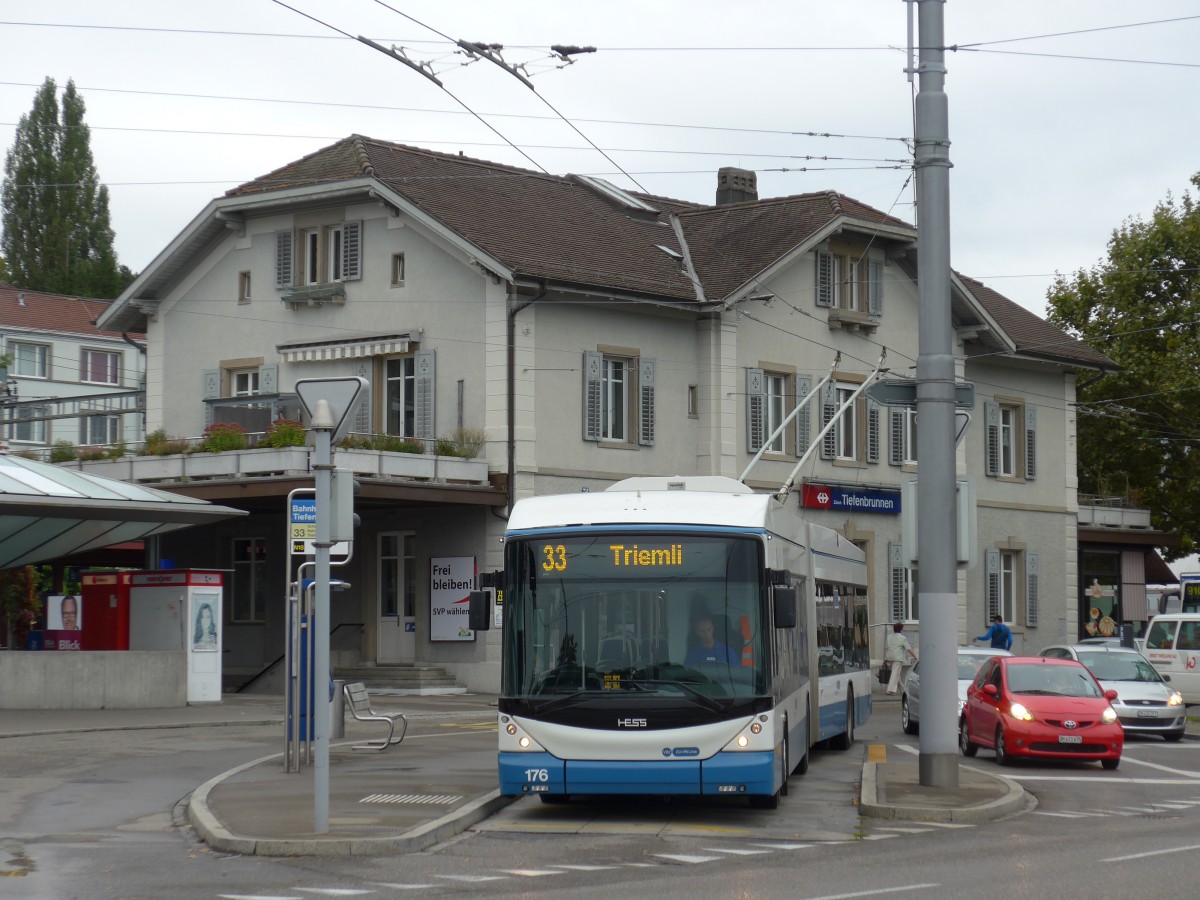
{"points": [[1139, 429], [57, 234]]}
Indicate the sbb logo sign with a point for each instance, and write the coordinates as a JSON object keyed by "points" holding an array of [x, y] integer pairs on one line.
{"points": [[817, 496]]}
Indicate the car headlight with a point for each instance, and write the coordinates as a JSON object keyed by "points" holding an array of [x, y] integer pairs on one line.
{"points": [[1176, 699], [1108, 716], [1018, 711]]}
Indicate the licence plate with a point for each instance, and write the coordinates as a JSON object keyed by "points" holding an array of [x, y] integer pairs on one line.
{"points": [[1147, 713], [1070, 738]]}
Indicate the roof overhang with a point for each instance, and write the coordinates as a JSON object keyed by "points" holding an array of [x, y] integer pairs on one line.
{"points": [[47, 512]]}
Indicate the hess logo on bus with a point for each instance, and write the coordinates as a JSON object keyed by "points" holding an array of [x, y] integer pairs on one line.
{"points": [[631, 723]]}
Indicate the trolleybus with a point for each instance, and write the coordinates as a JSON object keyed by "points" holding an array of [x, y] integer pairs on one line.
{"points": [[675, 636]]}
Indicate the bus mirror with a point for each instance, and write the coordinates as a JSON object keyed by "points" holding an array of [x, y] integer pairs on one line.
{"points": [[479, 611], [785, 607]]}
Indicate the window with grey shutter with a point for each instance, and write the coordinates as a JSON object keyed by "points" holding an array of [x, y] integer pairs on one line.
{"points": [[873, 436], [896, 437], [824, 267], [828, 411], [991, 437], [268, 379], [285, 247], [362, 415], [803, 419], [423, 388], [593, 370], [1030, 443], [210, 390], [896, 579], [352, 251], [646, 401], [1032, 565], [875, 288], [992, 587], [756, 409]]}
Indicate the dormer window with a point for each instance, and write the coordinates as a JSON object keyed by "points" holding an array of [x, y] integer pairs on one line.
{"points": [[322, 255], [850, 284]]}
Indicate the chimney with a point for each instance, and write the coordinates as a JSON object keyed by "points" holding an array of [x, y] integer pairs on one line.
{"points": [[736, 185]]}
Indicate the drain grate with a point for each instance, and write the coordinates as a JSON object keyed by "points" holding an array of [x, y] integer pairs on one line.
{"points": [[425, 799]]}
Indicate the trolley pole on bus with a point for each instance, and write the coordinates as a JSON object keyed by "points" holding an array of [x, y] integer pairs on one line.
{"points": [[936, 488]]}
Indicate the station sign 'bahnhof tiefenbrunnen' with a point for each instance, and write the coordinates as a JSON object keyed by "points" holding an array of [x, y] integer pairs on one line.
{"points": [[850, 498]]}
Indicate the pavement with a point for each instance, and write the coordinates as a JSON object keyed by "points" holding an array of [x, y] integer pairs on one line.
{"points": [[441, 780]]}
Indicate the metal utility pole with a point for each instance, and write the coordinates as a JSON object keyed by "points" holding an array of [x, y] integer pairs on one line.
{"points": [[936, 506]]}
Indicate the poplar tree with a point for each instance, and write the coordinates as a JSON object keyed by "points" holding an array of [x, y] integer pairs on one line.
{"points": [[56, 231]]}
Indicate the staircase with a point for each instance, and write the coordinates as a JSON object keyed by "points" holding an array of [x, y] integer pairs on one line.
{"points": [[405, 677]]}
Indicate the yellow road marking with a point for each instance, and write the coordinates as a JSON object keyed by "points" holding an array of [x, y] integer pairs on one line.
{"points": [[876, 753]]}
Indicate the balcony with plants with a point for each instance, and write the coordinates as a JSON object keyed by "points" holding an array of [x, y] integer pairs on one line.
{"points": [[226, 451]]}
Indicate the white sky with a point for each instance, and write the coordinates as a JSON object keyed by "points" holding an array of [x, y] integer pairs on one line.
{"points": [[1050, 153]]}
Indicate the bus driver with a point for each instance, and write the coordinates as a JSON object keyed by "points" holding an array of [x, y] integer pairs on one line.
{"points": [[709, 650]]}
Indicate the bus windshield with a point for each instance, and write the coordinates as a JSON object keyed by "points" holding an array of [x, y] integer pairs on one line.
{"points": [[660, 613]]}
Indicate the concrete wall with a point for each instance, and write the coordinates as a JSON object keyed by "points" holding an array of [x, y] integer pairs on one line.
{"points": [[132, 679]]}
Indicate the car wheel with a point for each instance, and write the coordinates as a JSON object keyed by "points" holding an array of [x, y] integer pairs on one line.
{"points": [[846, 738], [1173, 736], [1002, 756], [907, 722], [1110, 764], [964, 740]]}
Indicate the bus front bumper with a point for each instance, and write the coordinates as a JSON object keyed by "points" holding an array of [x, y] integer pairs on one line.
{"points": [[726, 774]]}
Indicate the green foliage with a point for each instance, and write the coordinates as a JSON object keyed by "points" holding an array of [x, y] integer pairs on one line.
{"points": [[464, 442], [158, 443], [388, 442], [63, 451], [283, 433], [222, 436], [21, 592], [1137, 427], [57, 232]]}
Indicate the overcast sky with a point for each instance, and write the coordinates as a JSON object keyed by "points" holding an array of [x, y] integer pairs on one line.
{"points": [[1059, 130]]}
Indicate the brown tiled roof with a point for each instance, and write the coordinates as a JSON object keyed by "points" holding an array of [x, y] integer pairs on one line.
{"points": [[732, 243], [560, 228], [1033, 335], [39, 311]]}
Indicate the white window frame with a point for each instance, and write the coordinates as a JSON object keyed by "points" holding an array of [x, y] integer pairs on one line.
{"points": [[310, 256], [614, 398], [40, 361], [397, 270], [776, 409], [845, 430], [405, 562], [96, 431], [1010, 581], [1009, 429], [400, 394], [335, 250], [112, 368], [908, 451], [244, 382], [244, 285], [35, 432]]}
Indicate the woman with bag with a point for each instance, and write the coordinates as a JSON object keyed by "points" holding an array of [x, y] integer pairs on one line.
{"points": [[897, 653]]}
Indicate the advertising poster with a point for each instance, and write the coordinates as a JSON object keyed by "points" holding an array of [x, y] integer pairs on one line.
{"points": [[451, 580], [64, 623]]}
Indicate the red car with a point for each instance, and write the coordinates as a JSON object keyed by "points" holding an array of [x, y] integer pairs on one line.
{"points": [[1038, 708]]}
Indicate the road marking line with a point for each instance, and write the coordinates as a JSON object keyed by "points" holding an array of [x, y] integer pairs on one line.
{"points": [[1063, 815], [473, 878], [901, 830], [1151, 853], [888, 890], [686, 857], [784, 846], [336, 892], [950, 824], [737, 852], [1150, 765], [582, 868], [404, 887], [531, 873]]}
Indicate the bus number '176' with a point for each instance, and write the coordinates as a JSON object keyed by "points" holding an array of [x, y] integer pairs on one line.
{"points": [[537, 774]]}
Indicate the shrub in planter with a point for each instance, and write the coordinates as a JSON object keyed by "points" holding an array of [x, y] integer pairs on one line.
{"points": [[284, 433], [63, 451], [222, 436], [157, 443]]}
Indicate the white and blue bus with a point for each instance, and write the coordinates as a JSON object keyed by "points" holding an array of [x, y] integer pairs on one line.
{"points": [[676, 636]]}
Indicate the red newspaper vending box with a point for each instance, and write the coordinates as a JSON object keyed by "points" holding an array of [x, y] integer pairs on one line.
{"points": [[105, 620]]}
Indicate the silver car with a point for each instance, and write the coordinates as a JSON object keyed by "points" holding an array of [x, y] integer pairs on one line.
{"points": [[1146, 703], [969, 661]]}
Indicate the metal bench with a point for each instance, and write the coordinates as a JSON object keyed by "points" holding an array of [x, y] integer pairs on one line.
{"points": [[360, 705]]}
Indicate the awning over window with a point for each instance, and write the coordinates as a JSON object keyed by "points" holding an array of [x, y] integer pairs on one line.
{"points": [[377, 345]]}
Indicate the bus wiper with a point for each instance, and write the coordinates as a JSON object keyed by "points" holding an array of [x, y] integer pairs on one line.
{"points": [[705, 700], [564, 699]]}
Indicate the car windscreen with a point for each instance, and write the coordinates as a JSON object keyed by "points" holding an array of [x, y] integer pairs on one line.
{"points": [[1051, 680], [1119, 666]]}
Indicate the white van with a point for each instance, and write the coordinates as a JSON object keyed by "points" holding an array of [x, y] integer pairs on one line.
{"points": [[1173, 647]]}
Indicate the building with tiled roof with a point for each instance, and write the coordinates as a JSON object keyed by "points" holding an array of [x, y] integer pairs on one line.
{"points": [[67, 379], [578, 334]]}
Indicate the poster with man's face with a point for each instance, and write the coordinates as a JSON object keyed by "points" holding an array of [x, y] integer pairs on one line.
{"points": [[64, 613]]}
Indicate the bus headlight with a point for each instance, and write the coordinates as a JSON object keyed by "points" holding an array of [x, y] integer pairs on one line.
{"points": [[524, 742], [510, 728], [743, 741], [756, 728]]}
